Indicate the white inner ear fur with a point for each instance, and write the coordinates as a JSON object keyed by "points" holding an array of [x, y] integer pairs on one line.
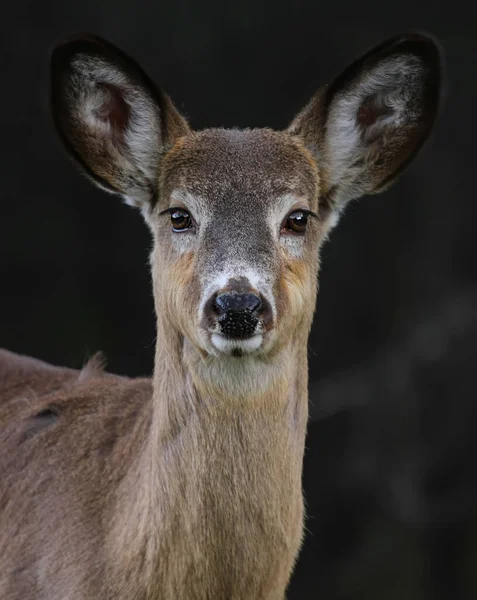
{"points": [[138, 154], [395, 84]]}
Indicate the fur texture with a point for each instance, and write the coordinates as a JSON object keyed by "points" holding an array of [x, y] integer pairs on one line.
{"points": [[189, 485]]}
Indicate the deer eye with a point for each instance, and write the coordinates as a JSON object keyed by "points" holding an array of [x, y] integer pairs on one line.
{"points": [[296, 222], [180, 220]]}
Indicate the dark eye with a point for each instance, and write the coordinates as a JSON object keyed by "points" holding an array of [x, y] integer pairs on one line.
{"points": [[180, 220], [296, 222]]}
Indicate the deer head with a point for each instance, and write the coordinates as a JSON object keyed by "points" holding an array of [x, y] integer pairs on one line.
{"points": [[238, 216]]}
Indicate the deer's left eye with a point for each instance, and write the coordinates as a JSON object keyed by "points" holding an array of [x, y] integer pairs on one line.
{"points": [[180, 220], [296, 222]]}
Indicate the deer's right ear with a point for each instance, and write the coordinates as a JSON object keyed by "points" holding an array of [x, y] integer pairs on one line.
{"points": [[111, 117]]}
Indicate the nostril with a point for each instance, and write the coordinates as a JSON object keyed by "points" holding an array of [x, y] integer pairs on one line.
{"points": [[253, 303], [221, 304], [225, 303]]}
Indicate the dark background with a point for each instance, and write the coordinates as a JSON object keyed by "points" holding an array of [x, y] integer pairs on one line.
{"points": [[390, 475]]}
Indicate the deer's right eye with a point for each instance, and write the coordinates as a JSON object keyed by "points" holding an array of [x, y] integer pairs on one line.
{"points": [[181, 220]]}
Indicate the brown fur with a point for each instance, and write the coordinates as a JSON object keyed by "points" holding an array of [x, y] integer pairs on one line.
{"points": [[187, 486]]}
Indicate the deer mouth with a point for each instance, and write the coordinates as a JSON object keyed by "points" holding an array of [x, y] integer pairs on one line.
{"points": [[236, 346]]}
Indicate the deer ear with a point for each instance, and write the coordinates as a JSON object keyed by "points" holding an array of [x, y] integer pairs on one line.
{"points": [[370, 122], [111, 117]]}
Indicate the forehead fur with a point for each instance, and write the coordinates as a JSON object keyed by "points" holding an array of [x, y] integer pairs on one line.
{"points": [[260, 162]]}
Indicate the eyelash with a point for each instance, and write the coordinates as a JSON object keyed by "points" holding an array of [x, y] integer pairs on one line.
{"points": [[174, 209], [292, 228]]}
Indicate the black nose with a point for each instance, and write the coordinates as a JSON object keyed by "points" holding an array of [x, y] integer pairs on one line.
{"points": [[233, 302], [236, 314]]}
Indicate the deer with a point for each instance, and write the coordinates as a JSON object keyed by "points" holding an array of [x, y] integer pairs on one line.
{"points": [[188, 484]]}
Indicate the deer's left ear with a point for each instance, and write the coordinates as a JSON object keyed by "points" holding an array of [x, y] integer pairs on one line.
{"points": [[366, 126]]}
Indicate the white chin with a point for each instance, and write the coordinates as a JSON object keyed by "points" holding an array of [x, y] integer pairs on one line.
{"points": [[228, 346]]}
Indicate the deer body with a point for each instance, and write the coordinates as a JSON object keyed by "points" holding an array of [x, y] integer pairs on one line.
{"points": [[189, 485], [122, 527]]}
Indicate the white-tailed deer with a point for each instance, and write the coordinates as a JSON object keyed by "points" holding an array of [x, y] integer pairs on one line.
{"points": [[188, 486]]}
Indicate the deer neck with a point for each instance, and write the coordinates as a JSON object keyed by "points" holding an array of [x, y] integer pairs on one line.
{"points": [[243, 408], [190, 386], [220, 477]]}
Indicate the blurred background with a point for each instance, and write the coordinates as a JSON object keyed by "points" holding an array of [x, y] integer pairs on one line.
{"points": [[390, 476]]}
